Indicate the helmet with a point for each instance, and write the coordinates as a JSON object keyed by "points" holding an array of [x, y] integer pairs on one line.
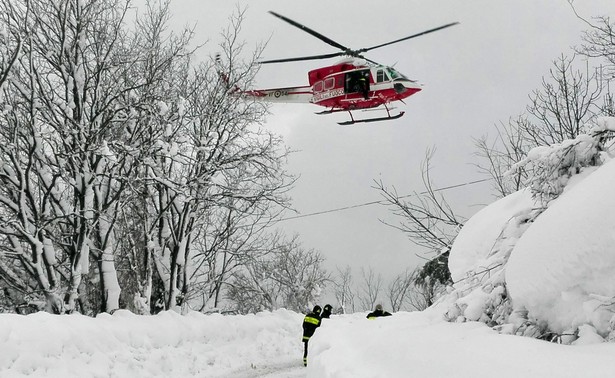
{"points": [[328, 307], [317, 309], [378, 307]]}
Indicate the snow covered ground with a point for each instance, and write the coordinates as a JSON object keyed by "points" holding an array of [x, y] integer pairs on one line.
{"points": [[417, 344], [557, 265]]}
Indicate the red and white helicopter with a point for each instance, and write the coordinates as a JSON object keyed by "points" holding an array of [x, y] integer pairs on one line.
{"points": [[353, 83]]}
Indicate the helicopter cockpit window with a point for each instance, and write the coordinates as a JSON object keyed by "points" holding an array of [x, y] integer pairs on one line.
{"points": [[381, 76], [394, 74]]}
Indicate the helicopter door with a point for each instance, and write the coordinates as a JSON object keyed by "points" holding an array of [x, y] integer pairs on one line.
{"points": [[357, 82]]}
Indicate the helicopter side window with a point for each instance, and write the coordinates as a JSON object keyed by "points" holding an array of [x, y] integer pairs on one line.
{"points": [[318, 86], [339, 81], [329, 83], [381, 76]]}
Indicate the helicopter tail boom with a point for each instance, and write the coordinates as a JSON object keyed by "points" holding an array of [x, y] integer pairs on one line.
{"points": [[301, 94]]}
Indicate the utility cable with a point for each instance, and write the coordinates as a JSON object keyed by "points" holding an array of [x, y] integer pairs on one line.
{"points": [[382, 202]]}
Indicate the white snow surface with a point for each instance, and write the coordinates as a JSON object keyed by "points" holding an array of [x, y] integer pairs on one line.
{"points": [[557, 267], [269, 344], [478, 237], [564, 263]]}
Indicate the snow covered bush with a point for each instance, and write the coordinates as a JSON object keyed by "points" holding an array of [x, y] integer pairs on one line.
{"points": [[479, 256], [539, 262], [550, 167]]}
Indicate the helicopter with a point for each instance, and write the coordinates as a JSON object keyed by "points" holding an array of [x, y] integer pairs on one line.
{"points": [[353, 83]]}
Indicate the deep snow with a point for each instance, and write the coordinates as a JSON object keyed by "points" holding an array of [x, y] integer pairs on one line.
{"points": [[416, 344], [556, 264]]}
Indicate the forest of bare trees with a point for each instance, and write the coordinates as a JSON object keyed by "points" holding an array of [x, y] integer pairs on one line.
{"points": [[131, 177]]}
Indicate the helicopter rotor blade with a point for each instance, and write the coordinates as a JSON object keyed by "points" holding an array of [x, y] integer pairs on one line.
{"points": [[312, 32], [409, 37], [300, 58]]}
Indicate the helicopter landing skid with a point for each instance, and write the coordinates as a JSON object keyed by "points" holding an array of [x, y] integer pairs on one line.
{"points": [[331, 111], [387, 118]]}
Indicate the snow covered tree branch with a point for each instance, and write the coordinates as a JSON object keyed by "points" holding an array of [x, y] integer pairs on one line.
{"points": [[116, 152], [284, 275]]}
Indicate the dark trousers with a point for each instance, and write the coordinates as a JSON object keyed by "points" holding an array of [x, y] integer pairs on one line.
{"points": [[305, 352]]}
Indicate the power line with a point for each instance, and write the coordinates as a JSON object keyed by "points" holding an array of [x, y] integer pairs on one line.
{"points": [[380, 202]]}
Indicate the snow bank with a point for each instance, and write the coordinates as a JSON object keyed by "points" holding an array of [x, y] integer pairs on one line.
{"points": [[478, 237], [564, 262], [128, 345], [478, 259], [420, 344]]}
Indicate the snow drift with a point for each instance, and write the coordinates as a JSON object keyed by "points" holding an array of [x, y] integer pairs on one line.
{"points": [[563, 265], [540, 261]]}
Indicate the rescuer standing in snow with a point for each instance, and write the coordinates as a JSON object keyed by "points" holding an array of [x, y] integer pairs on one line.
{"points": [[378, 312], [310, 323], [326, 311]]}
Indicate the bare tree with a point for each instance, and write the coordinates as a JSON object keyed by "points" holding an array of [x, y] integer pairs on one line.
{"points": [[498, 155], [599, 41], [343, 289], [285, 276], [560, 110], [400, 290], [426, 218], [230, 237], [10, 39], [369, 289], [566, 101], [429, 222]]}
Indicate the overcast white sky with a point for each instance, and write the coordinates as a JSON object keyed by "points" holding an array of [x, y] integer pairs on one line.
{"points": [[475, 75]]}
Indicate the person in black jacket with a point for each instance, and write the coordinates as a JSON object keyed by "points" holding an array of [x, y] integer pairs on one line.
{"points": [[378, 312], [326, 311], [310, 323]]}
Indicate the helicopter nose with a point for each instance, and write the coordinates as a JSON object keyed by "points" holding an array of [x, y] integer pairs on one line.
{"points": [[404, 85]]}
